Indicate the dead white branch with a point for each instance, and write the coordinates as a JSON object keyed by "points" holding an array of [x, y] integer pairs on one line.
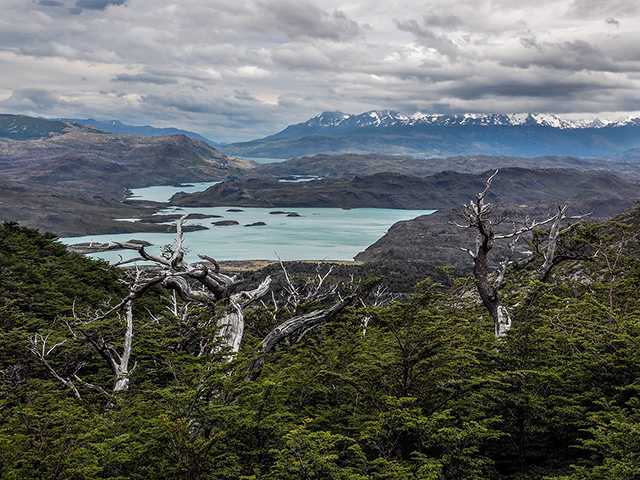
{"points": [[478, 215], [40, 349], [200, 282]]}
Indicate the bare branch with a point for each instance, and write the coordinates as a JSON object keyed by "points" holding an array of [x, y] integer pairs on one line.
{"points": [[245, 298], [39, 349], [470, 252], [503, 267], [295, 324], [125, 262], [93, 387], [554, 234], [211, 260], [480, 196]]}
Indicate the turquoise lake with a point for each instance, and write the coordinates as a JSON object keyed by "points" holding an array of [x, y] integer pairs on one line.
{"points": [[316, 234]]}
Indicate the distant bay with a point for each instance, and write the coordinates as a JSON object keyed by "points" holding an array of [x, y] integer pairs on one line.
{"points": [[162, 193], [291, 234], [264, 159]]}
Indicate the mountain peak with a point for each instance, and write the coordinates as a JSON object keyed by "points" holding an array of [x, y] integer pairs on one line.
{"points": [[444, 135], [328, 118], [336, 121]]}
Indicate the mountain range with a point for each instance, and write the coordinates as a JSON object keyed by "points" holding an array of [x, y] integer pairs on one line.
{"points": [[338, 121], [423, 135]]}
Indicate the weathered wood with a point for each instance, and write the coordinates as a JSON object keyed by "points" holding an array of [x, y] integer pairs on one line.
{"points": [[478, 215], [173, 272]]}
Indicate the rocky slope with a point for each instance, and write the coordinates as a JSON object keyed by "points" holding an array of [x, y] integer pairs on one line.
{"points": [[72, 179], [68, 213], [49, 152], [391, 190], [350, 165], [436, 240]]}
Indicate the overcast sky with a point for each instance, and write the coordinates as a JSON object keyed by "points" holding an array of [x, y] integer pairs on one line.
{"points": [[236, 70]]}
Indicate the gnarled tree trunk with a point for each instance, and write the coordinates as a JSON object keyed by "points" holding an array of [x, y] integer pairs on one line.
{"points": [[479, 215]]}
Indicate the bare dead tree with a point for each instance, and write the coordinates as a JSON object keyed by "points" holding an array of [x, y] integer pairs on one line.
{"points": [[479, 216], [316, 288], [85, 328], [551, 259], [381, 295], [39, 346], [296, 295], [202, 283], [298, 326]]}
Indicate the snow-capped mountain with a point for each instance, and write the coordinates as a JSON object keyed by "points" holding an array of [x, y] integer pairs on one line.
{"points": [[342, 122], [439, 135]]}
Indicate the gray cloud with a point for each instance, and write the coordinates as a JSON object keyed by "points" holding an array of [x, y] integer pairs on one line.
{"points": [[429, 38], [143, 78], [241, 70], [305, 20], [449, 21], [36, 99], [576, 55], [97, 4], [599, 8]]}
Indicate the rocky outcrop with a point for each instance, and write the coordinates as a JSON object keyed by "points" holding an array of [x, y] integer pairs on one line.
{"points": [[225, 223], [436, 240]]}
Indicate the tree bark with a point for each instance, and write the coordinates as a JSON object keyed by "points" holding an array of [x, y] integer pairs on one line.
{"points": [[122, 369]]}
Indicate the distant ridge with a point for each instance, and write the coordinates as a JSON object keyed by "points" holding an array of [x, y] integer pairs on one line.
{"points": [[393, 190], [339, 121], [434, 135], [81, 157], [116, 126]]}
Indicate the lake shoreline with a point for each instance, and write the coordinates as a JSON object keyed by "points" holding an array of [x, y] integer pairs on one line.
{"points": [[249, 233], [239, 266]]}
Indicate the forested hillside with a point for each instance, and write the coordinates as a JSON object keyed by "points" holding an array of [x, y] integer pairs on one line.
{"points": [[412, 389]]}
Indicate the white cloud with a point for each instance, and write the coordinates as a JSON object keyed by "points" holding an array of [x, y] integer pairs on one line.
{"points": [[253, 72]]}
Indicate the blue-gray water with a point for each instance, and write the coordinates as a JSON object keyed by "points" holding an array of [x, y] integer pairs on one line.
{"points": [[163, 193], [317, 234], [264, 160]]}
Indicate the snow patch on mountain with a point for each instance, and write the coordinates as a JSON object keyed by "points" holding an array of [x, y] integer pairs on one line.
{"points": [[387, 118]]}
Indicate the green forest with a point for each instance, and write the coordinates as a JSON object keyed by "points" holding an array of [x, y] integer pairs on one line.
{"points": [[383, 387]]}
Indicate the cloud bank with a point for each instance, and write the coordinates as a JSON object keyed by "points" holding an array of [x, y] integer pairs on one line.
{"points": [[237, 71]]}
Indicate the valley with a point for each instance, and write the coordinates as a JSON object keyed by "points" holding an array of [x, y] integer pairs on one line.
{"points": [[76, 180]]}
